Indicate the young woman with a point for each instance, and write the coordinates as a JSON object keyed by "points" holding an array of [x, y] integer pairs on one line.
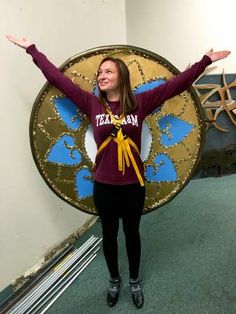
{"points": [[119, 189]]}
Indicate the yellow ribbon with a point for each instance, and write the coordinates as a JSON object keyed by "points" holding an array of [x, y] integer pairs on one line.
{"points": [[125, 155]]}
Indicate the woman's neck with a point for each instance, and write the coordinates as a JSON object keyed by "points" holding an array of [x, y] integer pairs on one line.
{"points": [[113, 96]]}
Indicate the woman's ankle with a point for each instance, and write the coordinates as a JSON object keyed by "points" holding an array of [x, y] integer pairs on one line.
{"points": [[115, 279], [134, 280]]}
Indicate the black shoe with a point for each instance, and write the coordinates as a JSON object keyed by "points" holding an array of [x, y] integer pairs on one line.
{"points": [[136, 292], [113, 291]]}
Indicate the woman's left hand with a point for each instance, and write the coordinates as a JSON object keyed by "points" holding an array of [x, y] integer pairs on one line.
{"points": [[214, 56]]}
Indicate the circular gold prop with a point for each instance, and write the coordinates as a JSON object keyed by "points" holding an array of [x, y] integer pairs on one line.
{"points": [[60, 133]]}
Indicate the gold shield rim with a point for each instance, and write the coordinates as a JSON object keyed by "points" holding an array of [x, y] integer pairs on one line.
{"points": [[117, 49]]}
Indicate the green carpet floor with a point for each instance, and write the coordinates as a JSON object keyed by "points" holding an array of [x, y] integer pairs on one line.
{"points": [[188, 260]]}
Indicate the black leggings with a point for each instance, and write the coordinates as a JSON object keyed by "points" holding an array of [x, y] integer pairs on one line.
{"points": [[125, 202]]}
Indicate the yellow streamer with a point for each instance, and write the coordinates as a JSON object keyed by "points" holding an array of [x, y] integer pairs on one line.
{"points": [[125, 155]]}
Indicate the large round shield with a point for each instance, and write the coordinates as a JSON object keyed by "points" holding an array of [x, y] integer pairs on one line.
{"points": [[64, 149]]}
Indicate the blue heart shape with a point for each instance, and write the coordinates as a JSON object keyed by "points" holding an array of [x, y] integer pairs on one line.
{"points": [[173, 129], [148, 86], [163, 170], [84, 183], [68, 112], [64, 152]]}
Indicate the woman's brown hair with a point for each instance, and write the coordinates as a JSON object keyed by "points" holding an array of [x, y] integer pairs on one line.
{"points": [[127, 99]]}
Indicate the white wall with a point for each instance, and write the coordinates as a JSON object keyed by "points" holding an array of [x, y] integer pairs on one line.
{"points": [[182, 30], [33, 219]]}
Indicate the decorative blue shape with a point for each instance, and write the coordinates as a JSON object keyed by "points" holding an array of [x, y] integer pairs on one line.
{"points": [[95, 90], [68, 112], [163, 170], [173, 129], [64, 152], [83, 182], [148, 86]]}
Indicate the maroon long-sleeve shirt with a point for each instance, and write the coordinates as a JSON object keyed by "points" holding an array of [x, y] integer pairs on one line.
{"points": [[106, 167]]}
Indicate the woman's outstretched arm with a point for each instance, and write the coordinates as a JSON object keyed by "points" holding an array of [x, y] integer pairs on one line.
{"points": [[179, 83], [55, 76]]}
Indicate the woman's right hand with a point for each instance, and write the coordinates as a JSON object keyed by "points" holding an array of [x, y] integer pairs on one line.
{"points": [[23, 43]]}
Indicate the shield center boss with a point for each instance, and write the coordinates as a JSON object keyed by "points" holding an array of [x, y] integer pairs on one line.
{"points": [[61, 137]]}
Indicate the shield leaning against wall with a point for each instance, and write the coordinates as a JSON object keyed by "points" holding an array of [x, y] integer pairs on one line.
{"points": [[62, 142]]}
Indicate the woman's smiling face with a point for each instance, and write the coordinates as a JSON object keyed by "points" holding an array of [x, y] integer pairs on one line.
{"points": [[108, 77]]}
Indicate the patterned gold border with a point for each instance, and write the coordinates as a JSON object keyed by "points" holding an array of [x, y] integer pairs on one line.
{"points": [[46, 126]]}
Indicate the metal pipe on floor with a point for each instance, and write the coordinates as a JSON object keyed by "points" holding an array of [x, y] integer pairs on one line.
{"points": [[68, 284], [59, 287], [31, 283], [53, 289], [52, 276], [58, 271]]}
